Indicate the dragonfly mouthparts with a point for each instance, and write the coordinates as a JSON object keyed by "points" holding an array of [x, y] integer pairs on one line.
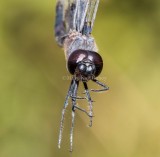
{"points": [[85, 70]]}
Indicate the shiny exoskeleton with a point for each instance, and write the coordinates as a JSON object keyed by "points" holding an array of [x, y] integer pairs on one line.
{"points": [[85, 65]]}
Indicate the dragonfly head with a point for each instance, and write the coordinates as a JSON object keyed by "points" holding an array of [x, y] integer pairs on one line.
{"points": [[85, 65]]}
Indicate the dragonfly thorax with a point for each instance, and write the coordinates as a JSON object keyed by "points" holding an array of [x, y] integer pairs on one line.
{"points": [[75, 40], [84, 64]]}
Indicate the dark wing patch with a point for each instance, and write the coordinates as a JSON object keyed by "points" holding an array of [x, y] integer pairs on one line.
{"points": [[59, 27], [65, 19]]}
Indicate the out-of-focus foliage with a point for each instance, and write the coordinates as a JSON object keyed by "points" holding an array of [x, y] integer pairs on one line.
{"points": [[33, 88]]}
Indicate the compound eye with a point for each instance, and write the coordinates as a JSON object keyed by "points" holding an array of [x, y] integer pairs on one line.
{"points": [[75, 62]]}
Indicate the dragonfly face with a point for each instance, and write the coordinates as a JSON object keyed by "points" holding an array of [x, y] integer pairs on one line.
{"points": [[73, 27], [85, 65]]}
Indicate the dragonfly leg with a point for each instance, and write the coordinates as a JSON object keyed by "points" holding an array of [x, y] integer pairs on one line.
{"points": [[105, 88], [83, 110], [79, 98], [89, 101], [63, 113], [71, 131], [74, 95]]}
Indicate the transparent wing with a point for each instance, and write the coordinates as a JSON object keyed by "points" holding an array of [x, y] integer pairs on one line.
{"points": [[90, 17], [85, 15], [76, 15], [82, 7]]}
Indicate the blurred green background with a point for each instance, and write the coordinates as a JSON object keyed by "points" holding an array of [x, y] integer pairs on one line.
{"points": [[32, 88]]}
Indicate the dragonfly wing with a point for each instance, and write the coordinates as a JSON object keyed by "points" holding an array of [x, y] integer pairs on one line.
{"points": [[82, 7], [76, 15], [90, 17], [70, 14], [65, 18]]}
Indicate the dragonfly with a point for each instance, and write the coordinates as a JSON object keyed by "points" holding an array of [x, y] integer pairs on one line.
{"points": [[73, 27]]}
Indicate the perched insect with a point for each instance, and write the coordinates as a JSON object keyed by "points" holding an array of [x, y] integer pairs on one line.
{"points": [[73, 27]]}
